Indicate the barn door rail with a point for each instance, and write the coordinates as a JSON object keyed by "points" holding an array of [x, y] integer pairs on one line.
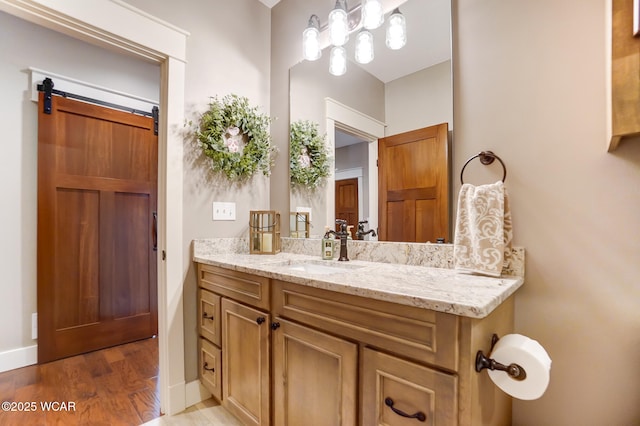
{"points": [[47, 87]]}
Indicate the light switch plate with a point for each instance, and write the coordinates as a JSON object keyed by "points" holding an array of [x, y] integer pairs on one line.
{"points": [[224, 211]]}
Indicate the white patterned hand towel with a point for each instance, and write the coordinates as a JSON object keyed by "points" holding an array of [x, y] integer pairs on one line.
{"points": [[482, 242]]}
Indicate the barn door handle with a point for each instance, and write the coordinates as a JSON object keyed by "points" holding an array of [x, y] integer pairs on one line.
{"points": [[154, 231], [418, 416]]}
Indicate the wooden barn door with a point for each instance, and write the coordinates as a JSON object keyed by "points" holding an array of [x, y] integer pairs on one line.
{"points": [[97, 198]]}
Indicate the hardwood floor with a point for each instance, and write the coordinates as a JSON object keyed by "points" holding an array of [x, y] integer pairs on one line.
{"points": [[115, 386]]}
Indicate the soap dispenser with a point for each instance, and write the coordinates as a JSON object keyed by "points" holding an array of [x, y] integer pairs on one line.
{"points": [[327, 245]]}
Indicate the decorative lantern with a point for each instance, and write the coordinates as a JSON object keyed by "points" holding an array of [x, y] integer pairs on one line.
{"points": [[264, 232], [299, 225]]}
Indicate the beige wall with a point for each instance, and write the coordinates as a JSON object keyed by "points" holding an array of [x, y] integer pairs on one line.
{"points": [[529, 83], [228, 51], [418, 100], [27, 45], [310, 84]]}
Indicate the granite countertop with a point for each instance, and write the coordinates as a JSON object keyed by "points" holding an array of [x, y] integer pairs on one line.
{"points": [[438, 289]]}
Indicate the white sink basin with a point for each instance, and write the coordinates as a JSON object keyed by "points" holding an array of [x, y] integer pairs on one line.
{"points": [[320, 268]]}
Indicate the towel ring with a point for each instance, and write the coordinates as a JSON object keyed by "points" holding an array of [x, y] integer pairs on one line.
{"points": [[486, 158]]}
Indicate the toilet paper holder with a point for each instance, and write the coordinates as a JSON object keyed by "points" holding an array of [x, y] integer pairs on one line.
{"points": [[514, 371]]}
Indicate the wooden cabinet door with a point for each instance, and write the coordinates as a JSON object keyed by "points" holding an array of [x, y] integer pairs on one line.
{"points": [[396, 392], [315, 377], [245, 362]]}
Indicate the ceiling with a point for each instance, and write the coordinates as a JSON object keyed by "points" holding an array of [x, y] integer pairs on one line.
{"points": [[269, 3]]}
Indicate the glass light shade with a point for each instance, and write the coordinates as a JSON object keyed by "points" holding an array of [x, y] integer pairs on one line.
{"points": [[311, 44], [372, 14], [364, 47], [338, 24], [396, 31], [338, 60]]}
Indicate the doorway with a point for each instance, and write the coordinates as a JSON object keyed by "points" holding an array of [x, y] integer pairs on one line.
{"points": [[414, 185], [102, 24]]}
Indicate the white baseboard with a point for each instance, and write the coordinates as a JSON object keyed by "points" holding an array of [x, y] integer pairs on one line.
{"points": [[195, 393], [176, 400], [18, 358]]}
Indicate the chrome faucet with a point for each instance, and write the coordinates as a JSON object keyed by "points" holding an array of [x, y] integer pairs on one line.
{"points": [[342, 234], [361, 232]]}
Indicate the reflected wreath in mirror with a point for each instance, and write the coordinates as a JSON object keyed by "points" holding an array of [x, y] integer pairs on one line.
{"points": [[236, 138], [308, 155]]}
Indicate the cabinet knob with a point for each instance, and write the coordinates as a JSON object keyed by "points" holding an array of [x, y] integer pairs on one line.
{"points": [[207, 368], [275, 325], [420, 416], [260, 320]]}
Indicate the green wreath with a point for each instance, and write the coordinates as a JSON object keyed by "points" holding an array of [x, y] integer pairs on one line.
{"points": [[308, 157], [235, 137]]}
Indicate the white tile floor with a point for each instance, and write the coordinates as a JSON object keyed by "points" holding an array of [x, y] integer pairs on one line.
{"points": [[207, 412]]}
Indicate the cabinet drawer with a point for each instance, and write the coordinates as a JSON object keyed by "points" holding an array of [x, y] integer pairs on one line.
{"points": [[390, 383], [210, 367], [209, 316], [250, 289], [421, 334]]}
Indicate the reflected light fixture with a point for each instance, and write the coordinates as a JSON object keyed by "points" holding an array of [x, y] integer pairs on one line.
{"points": [[338, 24], [364, 47], [311, 40], [368, 15], [338, 60], [372, 14], [397, 30]]}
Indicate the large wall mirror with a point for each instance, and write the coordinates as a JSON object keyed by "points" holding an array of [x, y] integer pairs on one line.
{"points": [[399, 91]]}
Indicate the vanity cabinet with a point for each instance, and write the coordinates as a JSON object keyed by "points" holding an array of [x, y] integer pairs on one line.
{"points": [[209, 345], [234, 345], [331, 358]]}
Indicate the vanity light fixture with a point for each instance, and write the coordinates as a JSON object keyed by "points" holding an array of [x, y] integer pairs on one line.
{"points": [[397, 30], [338, 24], [311, 40], [364, 47], [338, 60], [372, 14], [368, 15]]}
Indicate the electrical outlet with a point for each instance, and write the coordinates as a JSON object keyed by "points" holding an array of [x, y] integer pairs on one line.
{"points": [[224, 211]]}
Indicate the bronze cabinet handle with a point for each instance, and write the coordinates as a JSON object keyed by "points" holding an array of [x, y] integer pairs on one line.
{"points": [[260, 320], [207, 368], [207, 316], [418, 416]]}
